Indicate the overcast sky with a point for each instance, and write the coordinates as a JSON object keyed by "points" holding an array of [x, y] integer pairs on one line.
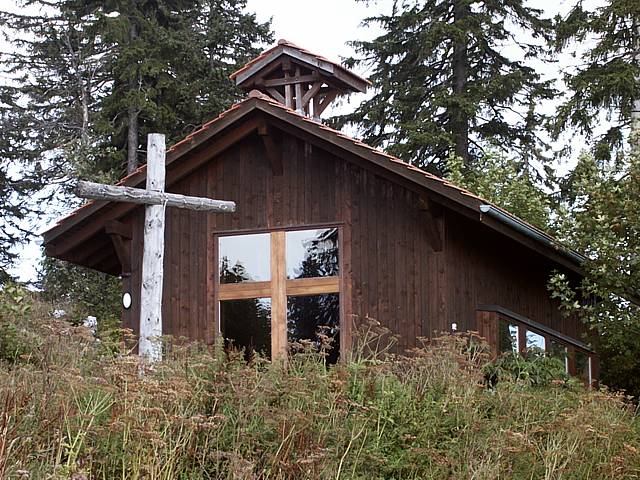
{"points": [[325, 28]]}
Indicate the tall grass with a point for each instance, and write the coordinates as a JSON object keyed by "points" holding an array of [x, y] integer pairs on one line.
{"points": [[71, 408]]}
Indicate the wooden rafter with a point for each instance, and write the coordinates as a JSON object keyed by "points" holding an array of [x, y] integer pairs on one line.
{"points": [[311, 93], [274, 152], [323, 103], [277, 95], [120, 234], [432, 215], [115, 227]]}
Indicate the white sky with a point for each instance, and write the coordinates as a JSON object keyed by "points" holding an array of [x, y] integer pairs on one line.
{"points": [[321, 27]]}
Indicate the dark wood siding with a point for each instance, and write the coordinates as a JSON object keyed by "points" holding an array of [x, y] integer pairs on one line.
{"points": [[391, 272], [484, 267]]}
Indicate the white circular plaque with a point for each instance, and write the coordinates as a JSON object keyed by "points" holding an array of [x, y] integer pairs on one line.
{"points": [[126, 300]]}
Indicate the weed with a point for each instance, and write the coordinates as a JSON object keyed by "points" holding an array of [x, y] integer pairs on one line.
{"points": [[79, 410]]}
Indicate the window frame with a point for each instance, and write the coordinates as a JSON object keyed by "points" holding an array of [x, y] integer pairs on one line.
{"points": [[279, 287], [524, 324]]}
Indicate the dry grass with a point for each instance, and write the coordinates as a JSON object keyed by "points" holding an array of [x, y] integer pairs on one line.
{"points": [[72, 409]]}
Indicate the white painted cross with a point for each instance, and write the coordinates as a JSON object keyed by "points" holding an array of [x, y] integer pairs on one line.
{"points": [[156, 200]]}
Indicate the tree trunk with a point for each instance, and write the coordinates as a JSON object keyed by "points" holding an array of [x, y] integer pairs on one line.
{"points": [[132, 139], [459, 119], [635, 112], [132, 110], [84, 133]]}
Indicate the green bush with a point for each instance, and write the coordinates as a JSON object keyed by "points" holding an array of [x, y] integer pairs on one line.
{"points": [[15, 305], [536, 369]]}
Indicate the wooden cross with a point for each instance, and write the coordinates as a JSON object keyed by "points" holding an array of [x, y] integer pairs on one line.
{"points": [[156, 200]]}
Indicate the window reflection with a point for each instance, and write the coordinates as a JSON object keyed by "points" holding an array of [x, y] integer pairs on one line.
{"points": [[313, 317], [312, 253], [246, 325], [507, 337], [559, 351], [583, 366], [534, 341], [245, 258]]}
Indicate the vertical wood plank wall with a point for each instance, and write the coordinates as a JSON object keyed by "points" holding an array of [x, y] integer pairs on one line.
{"points": [[485, 268], [392, 273]]}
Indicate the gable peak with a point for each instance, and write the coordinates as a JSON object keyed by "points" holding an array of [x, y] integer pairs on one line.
{"points": [[298, 78]]}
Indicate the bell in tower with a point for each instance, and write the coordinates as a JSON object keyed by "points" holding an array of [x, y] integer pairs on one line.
{"points": [[298, 78]]}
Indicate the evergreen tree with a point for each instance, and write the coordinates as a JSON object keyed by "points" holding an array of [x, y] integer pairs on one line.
{"points": [[501, 180], [47, 102], [170, 66], [607, 80], [77, 72], [445, 85]]}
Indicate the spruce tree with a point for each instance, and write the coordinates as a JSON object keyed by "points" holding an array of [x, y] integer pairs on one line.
{"points": [[607, 78], [51, 76], [170, 66], [444, 83]]}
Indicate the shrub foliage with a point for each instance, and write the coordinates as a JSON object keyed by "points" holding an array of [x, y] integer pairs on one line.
{"points": [[72, 409]]}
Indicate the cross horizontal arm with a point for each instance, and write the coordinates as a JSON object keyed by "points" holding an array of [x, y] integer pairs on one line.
{"points": [[99, 191]]}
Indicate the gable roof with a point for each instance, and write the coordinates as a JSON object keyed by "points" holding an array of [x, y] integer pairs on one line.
{"points": [[441, 190], [348, 80]]}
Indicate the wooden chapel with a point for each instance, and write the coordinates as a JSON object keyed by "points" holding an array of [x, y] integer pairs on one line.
{"points": [[327, 232]]}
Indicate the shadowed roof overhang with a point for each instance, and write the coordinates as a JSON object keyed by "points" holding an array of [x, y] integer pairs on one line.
{"points": [[84, 229]]}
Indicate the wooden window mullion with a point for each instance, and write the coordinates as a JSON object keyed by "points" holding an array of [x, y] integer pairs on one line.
{"points": [[571, 355], [278, 296], [522, 339], [240, 291]]}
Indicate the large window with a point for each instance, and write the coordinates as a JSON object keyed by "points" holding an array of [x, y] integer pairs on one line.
{"points": [[520, 337], [243, 259], [247, 325], [278, 288]]}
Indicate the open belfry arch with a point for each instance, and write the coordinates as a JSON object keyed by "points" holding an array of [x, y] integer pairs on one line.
{"points": [[328, 232], [298, 79]]}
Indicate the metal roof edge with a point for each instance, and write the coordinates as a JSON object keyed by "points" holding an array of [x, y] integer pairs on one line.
{"points": [[531, 232]]}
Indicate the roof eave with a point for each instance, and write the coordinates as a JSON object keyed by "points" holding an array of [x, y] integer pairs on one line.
{"points": [[260, 102]]}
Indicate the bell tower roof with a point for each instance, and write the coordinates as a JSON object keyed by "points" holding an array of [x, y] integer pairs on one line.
{"points": [[298, 78]]}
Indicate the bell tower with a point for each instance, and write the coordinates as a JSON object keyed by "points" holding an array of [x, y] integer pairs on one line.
{"points": [[298, 79]]}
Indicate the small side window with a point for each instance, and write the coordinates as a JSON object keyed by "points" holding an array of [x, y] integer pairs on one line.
{"points": [[507, 337], [583, 366], [535, 342], [558, 350]]}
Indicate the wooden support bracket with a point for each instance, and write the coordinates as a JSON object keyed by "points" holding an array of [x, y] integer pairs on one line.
{"points": [[274, 152], [120, 234], [434, 224], [315, 88], [277, 82], [114, 227], [324, 103], [276, 94]]}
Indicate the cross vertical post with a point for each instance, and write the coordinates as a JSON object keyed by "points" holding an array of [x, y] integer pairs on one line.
{"points": [[150, 345]]}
